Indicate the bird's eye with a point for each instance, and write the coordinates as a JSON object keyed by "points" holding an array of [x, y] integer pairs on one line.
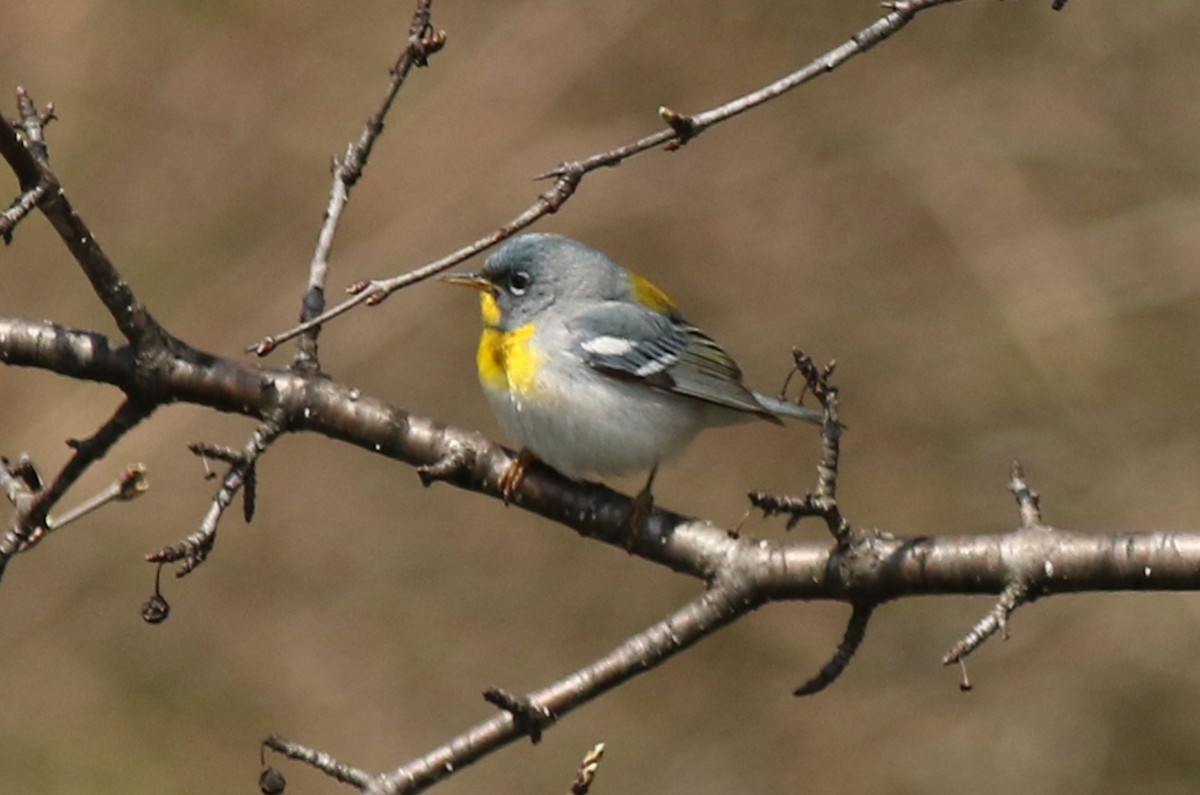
{"points": [[518, 282]]}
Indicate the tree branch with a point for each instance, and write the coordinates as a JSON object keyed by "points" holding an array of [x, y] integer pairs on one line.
{"points": [[877, 568], [29, 162], [422, 42], [568, 176]]}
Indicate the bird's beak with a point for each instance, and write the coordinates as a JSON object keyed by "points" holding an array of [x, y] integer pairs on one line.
{"points": [[473, 280]]}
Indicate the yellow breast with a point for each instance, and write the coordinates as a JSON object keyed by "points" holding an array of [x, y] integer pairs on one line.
{"points": [[506, 359]]}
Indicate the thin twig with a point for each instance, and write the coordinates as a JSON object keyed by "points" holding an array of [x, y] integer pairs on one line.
{"points": [[87, 452], [422, 42], [1028, 500], [996, 620], [31, 521], [22, 206], [644, 651], [131, 484], [321, 761], [1024, 586], [568, 175], [856, 630], [822, 501], [25, 153], [33, 125], [195, 548]]}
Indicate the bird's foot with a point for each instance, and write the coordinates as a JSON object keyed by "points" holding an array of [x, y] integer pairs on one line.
{"points": [[510, 481], [639, 513]]}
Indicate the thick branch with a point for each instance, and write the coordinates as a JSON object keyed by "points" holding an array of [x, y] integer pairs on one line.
{"points": [[875, 569]]}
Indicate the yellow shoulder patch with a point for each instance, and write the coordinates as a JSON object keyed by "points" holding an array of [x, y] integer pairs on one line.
{"points": [[648, 294]]}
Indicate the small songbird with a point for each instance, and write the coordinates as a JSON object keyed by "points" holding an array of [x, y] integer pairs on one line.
{"points": [[592, 369]]}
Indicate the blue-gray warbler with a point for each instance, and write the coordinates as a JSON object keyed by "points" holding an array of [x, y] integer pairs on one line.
{"points": [[594, 370]]}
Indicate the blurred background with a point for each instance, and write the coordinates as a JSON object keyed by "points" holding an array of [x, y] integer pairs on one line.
{"points": [[991, 221]]}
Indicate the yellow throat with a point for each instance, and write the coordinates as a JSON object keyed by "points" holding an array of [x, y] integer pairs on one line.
{"points": [[506, 359]]}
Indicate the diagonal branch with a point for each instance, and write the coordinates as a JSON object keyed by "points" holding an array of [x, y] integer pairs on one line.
{"points": [[31, 522], [568, 176], [642, 652], [195, 548], [87, 452], [422, 42], [26, 156]]}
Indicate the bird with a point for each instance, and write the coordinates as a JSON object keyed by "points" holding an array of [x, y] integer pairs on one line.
{"points": [[594, 370]]}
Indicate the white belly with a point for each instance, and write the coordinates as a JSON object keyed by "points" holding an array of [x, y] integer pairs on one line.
{"points": [[596, 425]]}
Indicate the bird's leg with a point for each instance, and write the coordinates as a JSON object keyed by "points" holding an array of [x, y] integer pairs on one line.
{"points": [[514, 474], [639, 511]]}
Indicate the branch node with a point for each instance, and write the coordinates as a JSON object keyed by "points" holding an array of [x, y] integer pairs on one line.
{"points": [[457, 460], [564, 185], [27, 479], [528, 718], [683, 126]]}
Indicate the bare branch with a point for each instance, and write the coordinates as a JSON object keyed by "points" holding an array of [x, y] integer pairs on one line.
{"points": [[87, 452], [568, 176], [22, 206], [129, 485], [856, 630], [319, 760], [821, 502], [32, 521], [194, 550], [23, 160], [28, 158], [24, 149], [875, 569], [422, 42], [642, 652], [1021, 588], [1013, 596]]}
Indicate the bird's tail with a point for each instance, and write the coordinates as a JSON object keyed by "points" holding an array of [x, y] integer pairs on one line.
{"points": [[784, 408]]}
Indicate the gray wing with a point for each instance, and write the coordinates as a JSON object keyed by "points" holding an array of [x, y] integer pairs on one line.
{"points": [[631, 342]]}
